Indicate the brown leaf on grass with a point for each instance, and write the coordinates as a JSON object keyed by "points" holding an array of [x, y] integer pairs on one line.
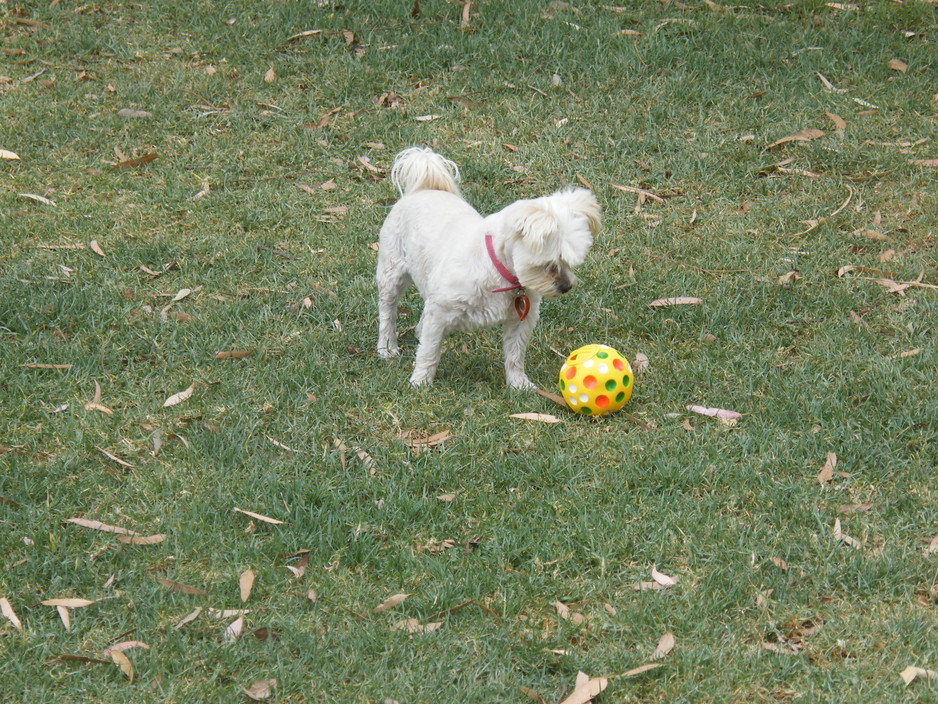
{"points": [[307, 33], [646, 586], [897, 65], [142, 539], [391, 602], [125, 645], [258, 516], [234, 629], [661, 578], [93, 406], [854, 508], [189, 618], [665, 645], [640, 364], [245, 584], [805, 135], [38, 199], [6, 154], [123, 662], [136, 114], [260, 690], [98, 525], [234, 354], [538, 417], [838, 121], [642, 668], [842, 537], [639, 191], [66, 616], [721, 413], [931, 163], [270, 76], [418, 441], [676, 301], [178, 398], [115, 458], [180, 587], [33, 365], [446, 498], [872, 235], [586, 689], [932, 548], [827, 471], [7, 610], [788, 278], [137, 161], [553, 397], [780, 648], [412, 625], [466, 7], [311, 595], [96, 248], [68, 603], [887, 255], [779, 562], [912, 673]]}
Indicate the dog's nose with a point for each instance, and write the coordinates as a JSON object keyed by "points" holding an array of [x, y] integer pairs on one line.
{"points": [[564, 286]]}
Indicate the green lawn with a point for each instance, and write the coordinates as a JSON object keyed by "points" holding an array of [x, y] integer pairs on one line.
{"points": [[205, 177]]}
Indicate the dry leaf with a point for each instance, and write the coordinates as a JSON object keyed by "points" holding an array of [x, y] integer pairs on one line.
{"points": [[642, 668], [665, 645], [838, 121], [640, 364], [586, 689], [270, 76], [391, 602], [234, 629], [142, 539], [258, 516], [446, 497], [234, 354], [260, 690], [137, 161], [427, 118], [125, 645], [827, 471], [66, 617], [179, 397], [898, 65], [96, 248], [562, 610], [843, 537], [123, 662], [661, 578], [412, 625], [98, 525], [678, 301], [7, 610], [38, 199], [137, 114], [68, 603], [189, 618], [779, 562], [720, 413], [539, 417], [92, 406], [4, 154], [788, 278], [805, 135], [933, 163], [311, 595], [179, 586], [245, 583], [932, 548], [912, 673]]}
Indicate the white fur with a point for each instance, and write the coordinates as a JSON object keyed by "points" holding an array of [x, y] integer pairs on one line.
{"points": [[436, 240]]}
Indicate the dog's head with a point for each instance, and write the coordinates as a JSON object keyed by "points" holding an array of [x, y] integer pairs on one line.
{"points": [[552, 235]]}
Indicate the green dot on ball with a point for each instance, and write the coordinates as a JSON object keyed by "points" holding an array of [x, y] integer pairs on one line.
{"points": [[587, 410], [562, 385], [626, 381], [602, 355], [611, 385], [620, 396]]}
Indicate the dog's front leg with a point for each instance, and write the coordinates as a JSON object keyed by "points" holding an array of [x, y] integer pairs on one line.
{"points": [[517, 336], [432, 330]]}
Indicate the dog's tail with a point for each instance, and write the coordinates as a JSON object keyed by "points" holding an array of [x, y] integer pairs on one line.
{"points": [[422, 169]]}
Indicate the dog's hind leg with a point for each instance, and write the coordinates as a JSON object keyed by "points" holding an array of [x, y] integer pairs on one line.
{"points": [[392, 282]]}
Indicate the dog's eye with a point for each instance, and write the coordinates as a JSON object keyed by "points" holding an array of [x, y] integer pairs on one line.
{"points": [[554, 269]]}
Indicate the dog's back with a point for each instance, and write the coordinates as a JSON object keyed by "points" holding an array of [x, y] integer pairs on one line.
{"points": [[422, 169]]}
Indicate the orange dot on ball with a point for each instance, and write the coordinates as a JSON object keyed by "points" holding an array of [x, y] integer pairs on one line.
{"points": [[590, 382]]}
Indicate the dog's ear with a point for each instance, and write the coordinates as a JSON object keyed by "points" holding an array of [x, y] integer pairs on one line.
{"points": [[535, 224], [584, 203]]}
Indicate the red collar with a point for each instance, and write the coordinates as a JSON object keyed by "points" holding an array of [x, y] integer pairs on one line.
{"points": [[501, 268]]}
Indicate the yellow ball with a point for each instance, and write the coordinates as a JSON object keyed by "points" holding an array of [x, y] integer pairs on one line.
{"points": [[596, 380]]}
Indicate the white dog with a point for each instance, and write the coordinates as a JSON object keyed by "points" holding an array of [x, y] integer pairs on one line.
{"points": [[473, 271]]}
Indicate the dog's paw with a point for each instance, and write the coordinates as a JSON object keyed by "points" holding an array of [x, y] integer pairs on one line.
{"points": [[420, 379], [521, 384], [388, 353]]}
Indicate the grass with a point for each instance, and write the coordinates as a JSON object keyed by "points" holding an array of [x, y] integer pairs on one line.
{"points": [[576, 512]]}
